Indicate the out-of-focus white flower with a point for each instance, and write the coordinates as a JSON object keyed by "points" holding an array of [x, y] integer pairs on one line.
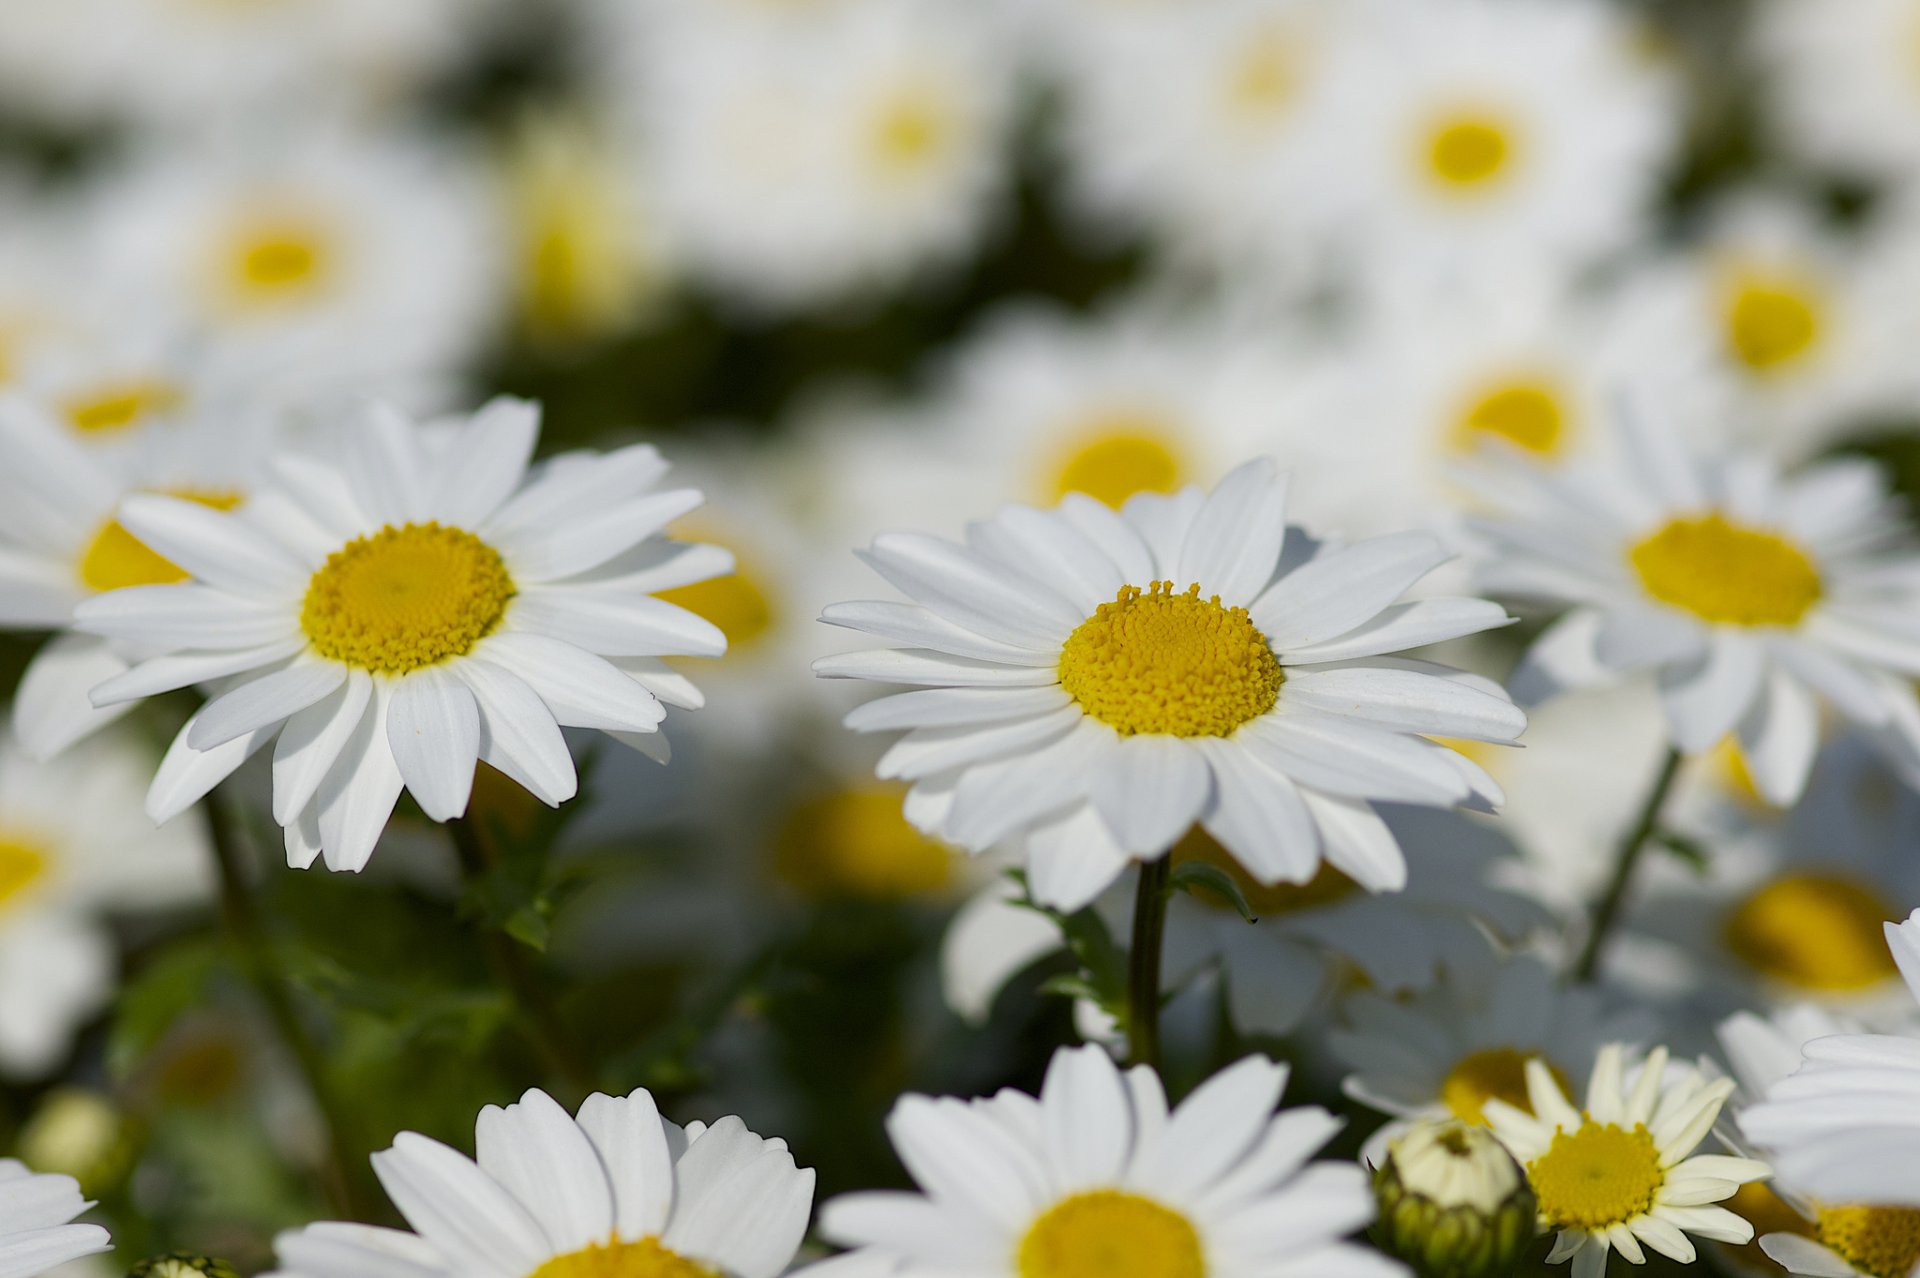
{"points": [[800, 164], [1843, 84], [74, 843]]}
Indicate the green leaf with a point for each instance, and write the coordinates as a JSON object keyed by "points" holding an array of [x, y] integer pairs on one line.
{"points": [[529, 924], [1689, 851], [1192, 877]]}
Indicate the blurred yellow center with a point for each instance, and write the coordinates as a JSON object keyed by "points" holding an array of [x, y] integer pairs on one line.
{"points": [[857, 843], [1768, 1213], [1881, 1241], [643, 1259], [1326, 887], [21, 865], [116, 559], [1772, 319], [1494, 1073], [405, 597], [1157, 662], [115, 407], [1117, 456], [1469, 151], [1110, 1234], [277, 260], [1816, 931], [736, 603], [1727, 574], [1525, 413], [1599, 1175], [909, 133], [577, 275], [1266, 79]]}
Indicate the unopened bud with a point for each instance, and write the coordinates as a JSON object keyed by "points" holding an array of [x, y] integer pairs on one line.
{"points": [[81, 1134], [182, 1264], [1453, 1203]]}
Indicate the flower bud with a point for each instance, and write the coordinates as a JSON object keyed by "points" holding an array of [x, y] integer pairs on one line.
{"points": [[182, 1264], [81, 1134], [1453, 1203]]}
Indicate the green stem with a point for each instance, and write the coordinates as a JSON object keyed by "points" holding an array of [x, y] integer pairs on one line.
{"points": [[346, 1182], [1143, 961], [1607, 911], [539, 1022]]}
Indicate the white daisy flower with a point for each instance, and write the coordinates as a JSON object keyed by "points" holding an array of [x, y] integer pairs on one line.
{"points": [[36, 1222], [1622, 1171], [428, 603], [74, 847], [1097, 1177], [1842, 91], [71, 459], [1446, 1051], [617, 1190], [1744, 591], [800, 164], [340, 259], [1844, 1125], [1098, 682], [1490, 130]]}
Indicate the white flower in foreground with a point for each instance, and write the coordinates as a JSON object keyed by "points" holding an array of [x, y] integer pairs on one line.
{"points": [[1622, 1172], [35, 1229], [1845, 1124], [1096, 1177], [1743, 591], [431, 602], [1100, 681], [617, 1191]]}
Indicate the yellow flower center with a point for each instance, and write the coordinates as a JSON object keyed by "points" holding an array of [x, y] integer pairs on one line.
{"points": [[1469, 151], [1116, 456], [1109, 1234], [1493, 1073], [1881, 1241], [1772, 319], [107, 409], [910, 131], [276, 259], [22, 864], [1599, 1175], [1156, 662], [1768, 1213], [405, 597], [1816, 931], [857, 843], [1725, 573], [736, 603], [1327, 886], [116, 559], [1526, 413], [643, 1259], [1266, 78]]}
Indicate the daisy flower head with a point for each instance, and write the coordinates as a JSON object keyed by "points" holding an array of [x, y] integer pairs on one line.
{"points": [[75, 851], [1843, 1126], [37, 1232], [428, 602], [1491, 130], [615, 1190], [1099, 681], [1745, 592], [1621, 1171], [1095, 1176]]}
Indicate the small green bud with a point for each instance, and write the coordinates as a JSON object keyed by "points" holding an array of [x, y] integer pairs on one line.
{"points": [[1453, 1203], [182, 1264], [82, 1134]]}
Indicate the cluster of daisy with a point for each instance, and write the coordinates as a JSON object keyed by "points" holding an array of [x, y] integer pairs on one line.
{"points": [[1363, 551]]}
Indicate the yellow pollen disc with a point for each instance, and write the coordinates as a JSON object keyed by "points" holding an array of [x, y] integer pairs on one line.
{"points": [[909, 133], [116, 559], [1772, 319], [1110, 1234], [857, 843], [1494, 1073], [1599, 1175], [1116, 456], [1526, 413], [1156, 662], [1326, 887], [404, 598], [1727, 574], [106, 409], [21, 865], [1881, 1241], [276, 259], [736, 603], [1266, 79], [1469, 151], [1816, 931], [643, 1259]]}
